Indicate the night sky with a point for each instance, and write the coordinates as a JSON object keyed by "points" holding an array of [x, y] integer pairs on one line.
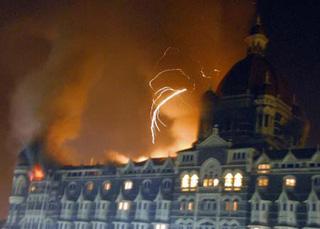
{"points": [[75, 73]]}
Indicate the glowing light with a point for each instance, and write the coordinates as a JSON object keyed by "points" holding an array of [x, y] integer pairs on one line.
{"points": [[160, 226], [107, 185], [264, 168], [185, 181], [237, 180], [37, 173], [228, 180], [189, 183], [235, 206], [194, 181], [123, 205], [156, 112], [128, 185], [263, 181], [190, 206], [290, 182], [209, 182]]}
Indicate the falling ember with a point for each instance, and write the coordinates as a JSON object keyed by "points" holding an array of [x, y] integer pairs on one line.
{"points": [[37, 173]]}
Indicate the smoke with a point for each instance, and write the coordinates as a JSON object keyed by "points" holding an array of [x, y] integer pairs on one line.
{"points": [[90, 96]]}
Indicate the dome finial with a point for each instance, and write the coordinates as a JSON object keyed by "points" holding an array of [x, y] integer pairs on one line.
{"points": [[257, 40], [258, 20]]}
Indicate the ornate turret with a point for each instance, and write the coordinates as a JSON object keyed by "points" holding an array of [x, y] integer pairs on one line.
{"points": [[257, 40], [252, 105]]}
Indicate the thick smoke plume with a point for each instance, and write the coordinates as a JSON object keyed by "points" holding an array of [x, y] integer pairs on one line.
{"points": [[90, 97], [76, 73]]}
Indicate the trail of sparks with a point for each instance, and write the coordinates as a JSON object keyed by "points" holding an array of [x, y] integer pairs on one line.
{"points": [[156, 112], [166, 93], [167, 71]]}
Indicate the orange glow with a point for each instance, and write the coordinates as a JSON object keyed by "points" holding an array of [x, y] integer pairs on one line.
{"points": [[37, 173]]}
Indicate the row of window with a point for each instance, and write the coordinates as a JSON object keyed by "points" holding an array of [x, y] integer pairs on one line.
{"points": [[209, 205], [265, 168], [231, 182], [288, 181], [107, 185]]}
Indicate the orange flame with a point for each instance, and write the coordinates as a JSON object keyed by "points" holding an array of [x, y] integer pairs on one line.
{"points": [[37, 173]]}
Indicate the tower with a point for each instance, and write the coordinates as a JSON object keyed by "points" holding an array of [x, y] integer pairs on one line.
{"points": [[252, 105]]}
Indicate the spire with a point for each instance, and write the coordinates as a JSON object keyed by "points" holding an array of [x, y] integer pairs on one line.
{"points": [[257, 40]]}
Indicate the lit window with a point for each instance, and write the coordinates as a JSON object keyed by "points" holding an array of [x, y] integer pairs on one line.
{"points": [[263, 181], [264, 168], [89, 186], [235, 205], [190, 205], [194, 181], [206, 182], [228, 181], [189, 183], [32, 188], [290, 182], [123, 205], [227, 206], [210, 182], [237, 181], [106, 186], [160, 226], [128, 185], [185, 181], [215, 182]]}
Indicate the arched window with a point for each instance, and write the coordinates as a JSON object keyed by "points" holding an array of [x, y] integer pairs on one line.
{"points": [[194, 181], [106, 186], [235, 205], [227, 206], [237, 181], [185, 181], [166, 184], [228, 181], [189, 183], [20, 185], [190, 205], [147, 185], [183, 205], [89, 186]]}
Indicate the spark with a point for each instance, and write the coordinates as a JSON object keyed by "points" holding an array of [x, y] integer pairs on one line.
{"points": [[156, 112], [180, 70], [165, 53]]}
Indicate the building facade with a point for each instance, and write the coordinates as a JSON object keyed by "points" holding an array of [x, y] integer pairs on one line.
{"points": [[248, 169]]}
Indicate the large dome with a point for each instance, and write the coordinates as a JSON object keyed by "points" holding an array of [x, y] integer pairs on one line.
{"points": [[254, 75]]}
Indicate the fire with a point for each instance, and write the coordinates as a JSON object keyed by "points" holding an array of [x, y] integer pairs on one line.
{"points": [[37, 173]]}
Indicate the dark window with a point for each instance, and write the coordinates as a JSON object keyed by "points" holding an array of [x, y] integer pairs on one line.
{"points": [[266, 121], [284, 207]]}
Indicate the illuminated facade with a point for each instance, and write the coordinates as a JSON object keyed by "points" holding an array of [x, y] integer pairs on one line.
{"points": [[245, 170]]}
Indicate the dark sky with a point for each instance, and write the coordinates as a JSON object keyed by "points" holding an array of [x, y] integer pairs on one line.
{"points": [[75, 73]]}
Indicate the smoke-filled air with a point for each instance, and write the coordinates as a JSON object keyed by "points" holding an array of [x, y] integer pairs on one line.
{"points": [[86, 78]]}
